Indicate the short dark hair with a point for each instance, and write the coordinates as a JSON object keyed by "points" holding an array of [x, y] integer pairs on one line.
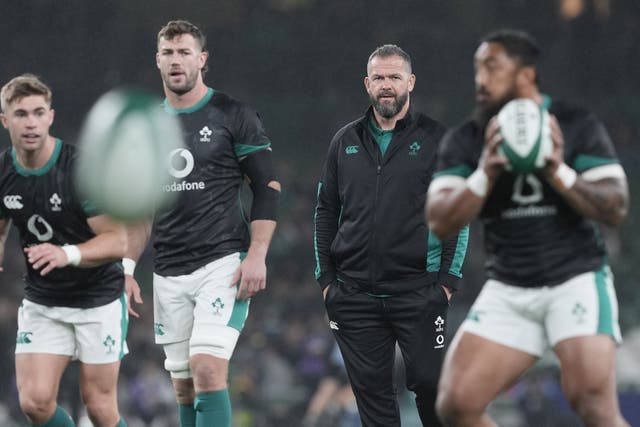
{"points": [[21, 87], [519, 45], [179, 27], [388, 50]]}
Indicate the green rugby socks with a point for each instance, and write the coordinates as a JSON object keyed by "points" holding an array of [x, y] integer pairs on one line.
{"points": [[60, 418], [213, 409]]}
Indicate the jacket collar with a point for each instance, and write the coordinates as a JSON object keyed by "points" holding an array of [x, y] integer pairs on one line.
{"points": [[400, 124]]}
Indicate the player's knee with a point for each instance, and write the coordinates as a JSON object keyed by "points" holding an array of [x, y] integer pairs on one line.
{"points": [[591, 405], [209, 372], [450, 405], [37, 407], [102, 411]]}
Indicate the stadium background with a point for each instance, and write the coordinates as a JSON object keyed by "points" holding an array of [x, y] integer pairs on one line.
{"points": [[300, 63]]}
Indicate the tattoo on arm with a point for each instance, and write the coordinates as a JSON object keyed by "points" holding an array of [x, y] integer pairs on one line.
{"points": [[605, 200]]}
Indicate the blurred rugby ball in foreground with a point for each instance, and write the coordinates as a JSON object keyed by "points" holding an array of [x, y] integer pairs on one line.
{"points": [[125, 144], [524, 126]]}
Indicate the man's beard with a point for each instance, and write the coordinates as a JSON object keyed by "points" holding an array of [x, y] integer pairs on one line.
{"points": [[482, 113], [180, 89], [389, 110]]}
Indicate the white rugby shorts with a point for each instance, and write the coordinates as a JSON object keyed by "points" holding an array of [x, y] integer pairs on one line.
{"points": [[532, 319], [93, 335], [200, 307]]}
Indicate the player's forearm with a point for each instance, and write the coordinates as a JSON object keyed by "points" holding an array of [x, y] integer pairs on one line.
{"points": [[5, 225], [261, 234], [449, 210], [105, 247], [138, 235], [606, 201]]}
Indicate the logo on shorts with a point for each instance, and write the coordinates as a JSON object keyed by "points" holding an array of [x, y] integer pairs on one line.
{"points": [[24, 338], [333, 325], [157, 328], [439, 322], [217, 306], [474, 315], [109, 344], [579, 311]]}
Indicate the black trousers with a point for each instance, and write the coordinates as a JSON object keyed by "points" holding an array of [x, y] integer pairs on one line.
{"points": [[367, 329]]}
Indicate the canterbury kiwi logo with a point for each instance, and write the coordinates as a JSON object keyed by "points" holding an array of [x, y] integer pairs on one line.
{"points": [[13, 202], [40, 228], [188, 163]]}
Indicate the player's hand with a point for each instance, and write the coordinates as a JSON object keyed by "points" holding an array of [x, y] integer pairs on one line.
{"points": [[325, 291], [132, 289], [556, 158], [491, 161], [47, 257], [252, 274], [447, 292]]}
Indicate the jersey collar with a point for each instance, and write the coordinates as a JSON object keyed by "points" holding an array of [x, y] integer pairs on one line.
{"points": [[205, 99], [40, 171]]}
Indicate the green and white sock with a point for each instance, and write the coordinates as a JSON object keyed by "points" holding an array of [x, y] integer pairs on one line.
{"points": [[121, 423], [213, 409]]}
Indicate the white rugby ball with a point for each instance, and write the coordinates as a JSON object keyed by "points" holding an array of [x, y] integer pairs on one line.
{"points": [[125, 144], [524, 126]]}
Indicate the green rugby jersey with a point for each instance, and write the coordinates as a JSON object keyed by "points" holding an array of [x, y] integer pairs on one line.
{"points": [[45, 208], [532, 236], [208, 221]]}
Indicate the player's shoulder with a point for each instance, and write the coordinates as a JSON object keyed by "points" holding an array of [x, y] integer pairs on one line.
{"points": [[464, 132], [68, 153], [567, 112], [228, 103], [347, 131], [5, 154], [429, 124]]}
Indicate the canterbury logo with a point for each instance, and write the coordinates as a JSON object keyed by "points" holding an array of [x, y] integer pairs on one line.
{"points": [[13, 202], [24, 338], [352, 149]]}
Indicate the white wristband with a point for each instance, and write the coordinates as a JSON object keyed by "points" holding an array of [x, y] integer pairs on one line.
{"points": [[73, 254], [129, 266], [478, 183], [565, 176]]}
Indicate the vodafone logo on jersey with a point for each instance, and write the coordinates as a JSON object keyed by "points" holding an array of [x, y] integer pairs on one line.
{"points": [[13, 202], [181, 164], [186, 157]]}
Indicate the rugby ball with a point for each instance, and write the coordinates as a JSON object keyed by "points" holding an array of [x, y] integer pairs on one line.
{"points": [[123, 162], [526, 137]]}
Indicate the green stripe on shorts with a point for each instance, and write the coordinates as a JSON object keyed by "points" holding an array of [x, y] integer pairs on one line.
{"points": [[124, 325], [605, 313], [240, 308], [239, 314]]}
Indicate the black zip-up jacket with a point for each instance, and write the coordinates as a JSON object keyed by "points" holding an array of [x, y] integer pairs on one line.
{"points": [[370, 226]]}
